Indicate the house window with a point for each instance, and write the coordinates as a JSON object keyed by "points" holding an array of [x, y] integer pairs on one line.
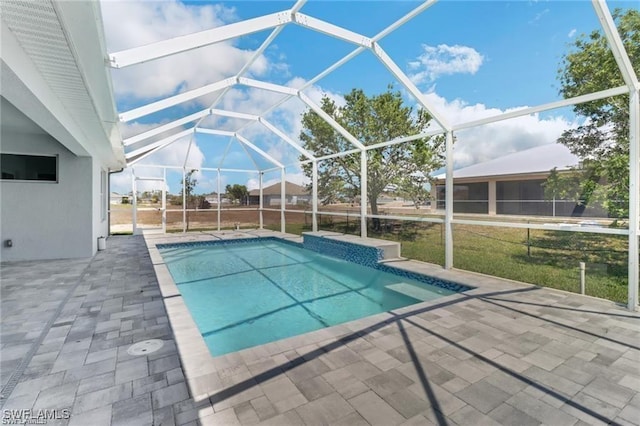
{"points": [[525, 197], [29, 167], [467, 197]]}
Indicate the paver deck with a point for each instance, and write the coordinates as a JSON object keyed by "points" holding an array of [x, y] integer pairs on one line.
{"points": [[504, 353]]}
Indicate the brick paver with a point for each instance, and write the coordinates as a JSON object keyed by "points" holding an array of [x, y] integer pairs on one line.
{"points": [[504, 353]]}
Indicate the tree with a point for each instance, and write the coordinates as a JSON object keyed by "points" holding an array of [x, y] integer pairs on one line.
{"points": [[414, 188], [371, 120], [187, 192], [603, 140], [237, 193]]}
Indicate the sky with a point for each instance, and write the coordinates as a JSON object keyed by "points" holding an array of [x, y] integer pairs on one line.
{"points": [[469, 59]]}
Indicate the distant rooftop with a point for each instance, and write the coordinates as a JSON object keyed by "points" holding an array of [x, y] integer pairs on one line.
{"points": [[290, 189], [535, 160]]}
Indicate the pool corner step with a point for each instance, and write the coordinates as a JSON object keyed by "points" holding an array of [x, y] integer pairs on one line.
{"points": [[411, 290]]}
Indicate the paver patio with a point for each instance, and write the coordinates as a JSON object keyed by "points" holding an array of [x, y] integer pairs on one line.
{"points": [[504, 353]]}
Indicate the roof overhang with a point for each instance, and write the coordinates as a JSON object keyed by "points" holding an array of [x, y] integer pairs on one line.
{"points": [[506, 177], [53, 71]]}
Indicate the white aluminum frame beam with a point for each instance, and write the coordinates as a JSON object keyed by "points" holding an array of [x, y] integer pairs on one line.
{"points": [[314, 196], [272, 36], [233, 114], [615, 44], [260, 195], [211, 169], [634, 199], [364, 199], [285, 138], [215, 132], [267, 86], [448, 216], [331, 30], [242, 140], [158, 144], [219, 188], [188, 42], [258, 150], [615, 91], [226, 151], [631, 80], [283, 200], [406, 18], [330, 121], [166, 127], [175, 100], [405, 139], [186, 156], [388, 30], [408, 84]]}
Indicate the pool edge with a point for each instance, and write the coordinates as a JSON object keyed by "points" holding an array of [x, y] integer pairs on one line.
{"points": [[199, 364]]}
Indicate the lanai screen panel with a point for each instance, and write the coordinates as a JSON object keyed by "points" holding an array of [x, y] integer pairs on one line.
{"points": [[444, 72]]}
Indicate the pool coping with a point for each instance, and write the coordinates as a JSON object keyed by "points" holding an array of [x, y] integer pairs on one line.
{"points": [[199, 365]]}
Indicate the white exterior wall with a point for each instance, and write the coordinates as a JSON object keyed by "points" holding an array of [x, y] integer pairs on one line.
{"points": [[50, 220], [99, 197]]}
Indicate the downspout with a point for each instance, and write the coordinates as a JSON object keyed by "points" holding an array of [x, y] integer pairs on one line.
{"points": [[109, 197]]}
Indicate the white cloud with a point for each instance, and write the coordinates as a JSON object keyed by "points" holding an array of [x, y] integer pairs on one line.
{"points": [[444, 60], [496, 139], [572, 33], [130, 24]]}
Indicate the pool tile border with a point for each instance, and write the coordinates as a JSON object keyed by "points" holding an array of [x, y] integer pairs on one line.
{"points": [[199, 364], [366, 255]]}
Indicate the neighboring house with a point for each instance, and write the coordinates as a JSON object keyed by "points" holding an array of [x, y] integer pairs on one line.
{"points": [[59, 131], [115, 198], [213, 198], [513, 185], [294, 194]]}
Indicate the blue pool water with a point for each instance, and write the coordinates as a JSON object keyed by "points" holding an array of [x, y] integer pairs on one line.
{"points": [[250, 293]]}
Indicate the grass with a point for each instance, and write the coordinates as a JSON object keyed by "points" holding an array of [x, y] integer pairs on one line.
{"points": [[545, 258]]}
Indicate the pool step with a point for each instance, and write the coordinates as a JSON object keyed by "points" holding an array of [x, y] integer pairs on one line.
{"points": [[411, 290]]}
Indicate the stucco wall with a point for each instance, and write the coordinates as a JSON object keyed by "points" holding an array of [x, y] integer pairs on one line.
{"points": [[49, 220], [100, 224]]}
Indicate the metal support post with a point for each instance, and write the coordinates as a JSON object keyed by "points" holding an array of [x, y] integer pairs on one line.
{"points": [[448, 214], [261, 177], [283, 199], [314, 197], [634, 197], [219, 199], [363, 193], [164, 200], [184, 200], [134, 216]]}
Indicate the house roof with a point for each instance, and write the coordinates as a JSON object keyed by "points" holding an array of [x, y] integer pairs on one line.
{"points": [[289, 189], [535, 160]]}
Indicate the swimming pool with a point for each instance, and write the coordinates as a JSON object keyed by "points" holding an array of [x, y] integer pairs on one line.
{"points": [[247, 293]]}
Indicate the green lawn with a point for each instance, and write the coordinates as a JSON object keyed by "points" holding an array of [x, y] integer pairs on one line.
{"points": [[545, 258]]}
